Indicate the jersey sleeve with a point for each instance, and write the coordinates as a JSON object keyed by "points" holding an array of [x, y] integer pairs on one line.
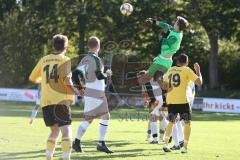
{"points": [[191, 75], [165, 26], [88, 67], [66, 72], [169, 42], [35, 75]]}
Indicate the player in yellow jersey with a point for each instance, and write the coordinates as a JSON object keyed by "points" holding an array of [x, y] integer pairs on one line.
{"points": [[53, 72], [176, 81]]}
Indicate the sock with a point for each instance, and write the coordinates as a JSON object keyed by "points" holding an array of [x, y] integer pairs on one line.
{"points": [[180, 131], [82, 129], [164, 123], [168, 132], [187, 131], [51, 143], [175, 135], [103, 129], [154, 130], [66, 148], [149, 131], [161, 131]]}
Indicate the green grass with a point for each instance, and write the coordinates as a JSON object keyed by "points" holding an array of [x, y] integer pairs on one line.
{"points": [[214, 136]]}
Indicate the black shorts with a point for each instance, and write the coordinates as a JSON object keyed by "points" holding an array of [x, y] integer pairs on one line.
{"points": [[57, 114], [182, 109]]}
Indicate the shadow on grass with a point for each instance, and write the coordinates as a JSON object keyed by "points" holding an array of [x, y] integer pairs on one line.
{"points": [[90, 152], [22, 155]]}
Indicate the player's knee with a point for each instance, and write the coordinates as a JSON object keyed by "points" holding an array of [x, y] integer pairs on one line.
{"points": [[54, 133], [89, 119], [153, 118], [161, 118], [66, 131], [105, 116], [188, 122]]}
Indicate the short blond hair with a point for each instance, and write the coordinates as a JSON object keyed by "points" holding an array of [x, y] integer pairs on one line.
{"points": [[93, 42], [60, 42]]}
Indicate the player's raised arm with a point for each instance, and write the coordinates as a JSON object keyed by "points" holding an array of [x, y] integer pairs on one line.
{"points": [[199, 81], [154, 22]]}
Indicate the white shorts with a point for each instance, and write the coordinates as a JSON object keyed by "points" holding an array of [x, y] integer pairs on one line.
{"points": [[95, 106], [157, 109]]}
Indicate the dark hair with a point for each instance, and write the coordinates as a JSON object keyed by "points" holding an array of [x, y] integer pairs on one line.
{"points": [[182, 59], [93, 42], [182, 23], [60, 42]]}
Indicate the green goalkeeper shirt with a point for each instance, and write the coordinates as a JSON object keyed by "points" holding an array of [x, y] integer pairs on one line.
{"points": [[171, 44]]}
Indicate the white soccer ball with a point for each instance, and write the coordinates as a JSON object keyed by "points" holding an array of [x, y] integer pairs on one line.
{"points": [[126, 9]]}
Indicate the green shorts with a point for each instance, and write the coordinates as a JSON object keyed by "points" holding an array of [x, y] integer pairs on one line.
{"points": [[160, 64]]}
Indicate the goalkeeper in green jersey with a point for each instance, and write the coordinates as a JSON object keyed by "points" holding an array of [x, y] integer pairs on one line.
{"points": [[169, 45]]}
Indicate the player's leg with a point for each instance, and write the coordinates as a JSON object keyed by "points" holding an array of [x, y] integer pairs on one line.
{"points": [[154, 129], [103, 127], [149, 131], [66, 143], [81, 131], [51, 142], [180, 133], [175, 137], [161, 130], [172, 115], [186, 116], [62, 114], [49, 119]]}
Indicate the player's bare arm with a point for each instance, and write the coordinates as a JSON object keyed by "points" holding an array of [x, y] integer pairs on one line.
{"points": [[197, 69]]}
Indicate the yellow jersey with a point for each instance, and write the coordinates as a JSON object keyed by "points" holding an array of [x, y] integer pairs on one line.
{"points": [[178, 79], [51, 71]]}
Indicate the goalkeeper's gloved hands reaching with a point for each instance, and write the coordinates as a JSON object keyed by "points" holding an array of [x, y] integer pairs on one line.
{"points": [[150, 21]]}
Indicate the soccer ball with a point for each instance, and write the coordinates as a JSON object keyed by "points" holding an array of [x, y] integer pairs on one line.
{"points": [[126, 9]]}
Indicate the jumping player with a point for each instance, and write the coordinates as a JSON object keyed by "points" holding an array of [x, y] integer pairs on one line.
{"points": [[169, 45]]}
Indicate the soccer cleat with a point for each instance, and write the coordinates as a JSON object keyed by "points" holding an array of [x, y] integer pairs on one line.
{"points": [[77, 147], [184, 150], [103, 148], [154, 142], [166, 148], [175, 148], [181, 143]]}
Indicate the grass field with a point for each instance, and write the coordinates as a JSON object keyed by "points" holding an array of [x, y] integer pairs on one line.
{"points": [[214, 137]]}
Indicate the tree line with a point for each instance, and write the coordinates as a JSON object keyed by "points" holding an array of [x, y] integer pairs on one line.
{"points": [[27, 27]]}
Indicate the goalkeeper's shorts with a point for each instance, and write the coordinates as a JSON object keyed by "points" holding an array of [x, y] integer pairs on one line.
{"points": [[160, 64]]}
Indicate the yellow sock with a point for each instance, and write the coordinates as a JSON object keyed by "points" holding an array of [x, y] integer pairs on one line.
{"points": [[51, 143], [66, 148], [187, 131], [168, 132]]}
